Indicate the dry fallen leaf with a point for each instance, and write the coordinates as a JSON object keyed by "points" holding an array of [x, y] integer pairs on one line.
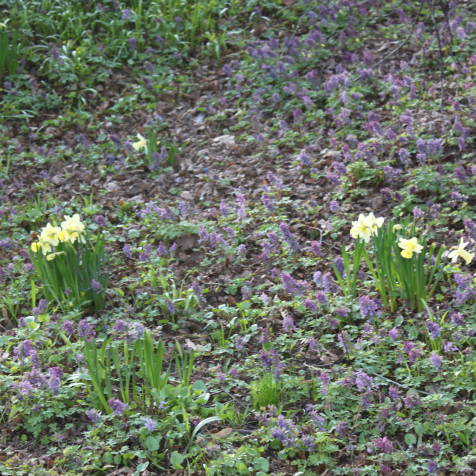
{"points": [[222, 433]]}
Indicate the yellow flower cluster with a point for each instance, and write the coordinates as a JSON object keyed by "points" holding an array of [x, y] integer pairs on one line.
{"points": [[71, 229], [366, 226], [409, 247]]}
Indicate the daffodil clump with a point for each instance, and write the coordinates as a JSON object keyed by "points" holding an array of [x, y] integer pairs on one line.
{"points": [[68, 263], [71, 229], [402, 265]]}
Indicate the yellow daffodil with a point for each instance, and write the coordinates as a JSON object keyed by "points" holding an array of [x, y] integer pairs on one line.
{"points": [[460, 252], [35, 246], [49, 235], [71, 227], [140, 144], [40, 246], [366, 226], [397, 227], [409, 247]]}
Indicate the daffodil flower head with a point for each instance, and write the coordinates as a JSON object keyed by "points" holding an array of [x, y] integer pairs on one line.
{"points": [[460, 252], [72, 227], [49, 235], [374, 223], [409, 247], [140, 144], [366, 226]]}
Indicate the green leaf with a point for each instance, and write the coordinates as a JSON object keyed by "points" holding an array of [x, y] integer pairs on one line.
{"points": [[142, 467], [410, 439], [152, 443], [262, 464], [176, 459], [398, 321]]}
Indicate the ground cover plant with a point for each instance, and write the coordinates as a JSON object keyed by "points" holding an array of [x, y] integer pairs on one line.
{"points": [[237, 237]]}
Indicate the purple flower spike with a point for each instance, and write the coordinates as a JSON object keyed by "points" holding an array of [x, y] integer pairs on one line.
{"points": [[150, 424], [117, 406], [436, 360], [383, 444], [93, 415]]}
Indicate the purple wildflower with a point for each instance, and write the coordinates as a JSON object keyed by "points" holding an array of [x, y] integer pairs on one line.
{"points": [[120, 326], [321, 297], [411, 401], [41, 308], [95, 285], [432, 467], [309, 304], [288, 323], [339, 264], [341, 429], [393, 333], [126, 249], [150, 424], [68, 328], [86, 330], [433, 329], [316, 248], [289, 238], [393, 392], [308, 442], [117, 406], [436, 360], [363, 381], [290, 285], [93, 415], [457, 318], [383, 444], [369, 307], [54, 382], [411, 350]]}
